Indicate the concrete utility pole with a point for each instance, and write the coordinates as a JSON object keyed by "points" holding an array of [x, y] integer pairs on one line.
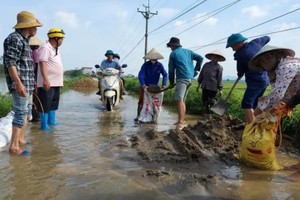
{"points": [[147, 15]]}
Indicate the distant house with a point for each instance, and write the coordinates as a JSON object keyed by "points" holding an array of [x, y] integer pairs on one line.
{"points": [[87, 70]]}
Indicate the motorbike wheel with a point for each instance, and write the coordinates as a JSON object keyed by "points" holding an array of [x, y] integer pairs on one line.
{"points": [[109, 104]]}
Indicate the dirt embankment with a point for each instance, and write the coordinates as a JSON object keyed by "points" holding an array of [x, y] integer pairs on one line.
{"points": [[212, 137]]}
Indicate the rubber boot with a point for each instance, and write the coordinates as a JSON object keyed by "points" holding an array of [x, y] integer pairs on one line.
{"points": [[44, 121], [51, 118]]}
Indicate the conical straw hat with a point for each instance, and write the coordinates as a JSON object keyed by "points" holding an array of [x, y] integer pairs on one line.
{"points": [[255, 65], [35, 41], [217, 53], [153, 55]]}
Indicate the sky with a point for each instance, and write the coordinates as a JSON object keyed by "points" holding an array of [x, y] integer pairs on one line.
{"points": [[94, 26]]}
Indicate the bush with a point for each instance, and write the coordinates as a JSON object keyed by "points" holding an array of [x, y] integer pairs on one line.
{"points": [[5, 105]]}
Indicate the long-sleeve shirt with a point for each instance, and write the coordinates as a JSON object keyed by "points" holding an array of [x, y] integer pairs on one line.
{"points": [[18, 53], [181, 63], [210, 76], [243, 55], [286, 84], [150, 74], [110, 64]]}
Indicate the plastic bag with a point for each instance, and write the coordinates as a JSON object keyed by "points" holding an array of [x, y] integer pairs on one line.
{"points": [[6, 129], [152, 106], [258, 142]]}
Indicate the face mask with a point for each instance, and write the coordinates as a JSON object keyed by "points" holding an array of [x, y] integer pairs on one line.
{"points": [[153, 61]]}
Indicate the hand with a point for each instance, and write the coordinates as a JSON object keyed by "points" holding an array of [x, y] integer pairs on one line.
{"points": [[21, 89], [46, 85], [195, 73], [240, 75], [220, 93], [144, 86], [171, 86]]}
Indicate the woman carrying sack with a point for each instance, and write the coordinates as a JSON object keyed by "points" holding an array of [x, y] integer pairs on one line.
{"points": [[258, 144]]}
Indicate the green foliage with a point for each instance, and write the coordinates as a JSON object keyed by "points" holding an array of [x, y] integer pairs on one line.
{"points": [[5, 105], [73, 73]]}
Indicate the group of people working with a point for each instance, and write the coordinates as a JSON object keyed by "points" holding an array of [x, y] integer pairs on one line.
{"points": [[260, 64]]}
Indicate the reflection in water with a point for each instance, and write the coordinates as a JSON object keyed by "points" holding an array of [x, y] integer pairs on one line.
{"points": [[88, 156]]}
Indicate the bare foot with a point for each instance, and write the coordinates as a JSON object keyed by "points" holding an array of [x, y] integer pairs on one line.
{"points": [[22, 142], [15, 151], [295, 176]]}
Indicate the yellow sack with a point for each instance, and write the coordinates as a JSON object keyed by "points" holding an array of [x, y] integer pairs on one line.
{"points": [[258, 142]]}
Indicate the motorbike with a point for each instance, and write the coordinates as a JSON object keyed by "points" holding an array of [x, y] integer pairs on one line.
{"points": [[110, 87]]}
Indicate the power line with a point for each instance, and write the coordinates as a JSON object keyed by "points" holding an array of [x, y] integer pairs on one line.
{"points": [[134, 47], [178, 16], [219, 41]]}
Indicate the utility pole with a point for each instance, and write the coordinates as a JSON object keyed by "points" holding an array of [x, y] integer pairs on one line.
{"points": [[147, 15]]}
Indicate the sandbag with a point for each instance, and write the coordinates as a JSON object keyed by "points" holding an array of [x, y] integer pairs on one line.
{"points": [[6, 129], [258, 142], [152, 106]]}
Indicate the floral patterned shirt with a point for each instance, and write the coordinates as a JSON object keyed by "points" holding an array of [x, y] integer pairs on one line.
{"points": [[285, 86]]}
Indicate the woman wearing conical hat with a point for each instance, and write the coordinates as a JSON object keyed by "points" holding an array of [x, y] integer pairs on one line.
{"points": [[149, 74], [210, 78]]}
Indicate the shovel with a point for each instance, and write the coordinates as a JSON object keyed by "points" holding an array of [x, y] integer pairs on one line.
{"points": [[222, 105], [156, 89]]}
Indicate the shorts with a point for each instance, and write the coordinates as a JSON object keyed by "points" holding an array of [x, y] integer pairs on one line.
{"points": [[49, 99], [182, 87], [251, 96], [22, 108]]}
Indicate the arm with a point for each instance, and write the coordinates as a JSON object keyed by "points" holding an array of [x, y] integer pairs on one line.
{"points": [[284, 76], [294, 101], [20, 88], [199, 60], [171, 70], [141, 75], [43, 68], [262, 40], [165, 76], [219, 77]]}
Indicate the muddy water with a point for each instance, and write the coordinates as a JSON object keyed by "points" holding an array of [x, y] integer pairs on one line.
{"points": [[88, 156]]}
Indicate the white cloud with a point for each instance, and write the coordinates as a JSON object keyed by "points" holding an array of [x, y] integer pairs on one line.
{"points": [[68, 18], [167, 12], [284, 26], [295, 6], [254, 11], [201, 16], [180, 22]]}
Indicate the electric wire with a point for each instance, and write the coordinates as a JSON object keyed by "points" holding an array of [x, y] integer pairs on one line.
{"points": [[185, 12]]}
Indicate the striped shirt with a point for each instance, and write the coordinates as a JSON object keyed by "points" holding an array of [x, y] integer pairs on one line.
{"points": [[211, 76], [18, 53]]}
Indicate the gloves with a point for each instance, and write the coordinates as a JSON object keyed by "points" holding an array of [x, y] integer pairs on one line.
{"points": [[220, 93]]}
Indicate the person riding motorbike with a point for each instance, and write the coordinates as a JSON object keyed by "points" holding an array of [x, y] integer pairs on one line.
{"points": [[110, 63]]}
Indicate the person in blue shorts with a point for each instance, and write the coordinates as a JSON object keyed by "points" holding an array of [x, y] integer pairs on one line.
{"points": [[256, 81]]}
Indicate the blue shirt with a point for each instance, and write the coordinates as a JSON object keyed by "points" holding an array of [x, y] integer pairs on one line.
{"points": [[243, 56], [18, 53], [110, 64], [150, 74], [181, 63]]}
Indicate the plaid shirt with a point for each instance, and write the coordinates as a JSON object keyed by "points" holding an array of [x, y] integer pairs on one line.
{"points": [[18, 53]]}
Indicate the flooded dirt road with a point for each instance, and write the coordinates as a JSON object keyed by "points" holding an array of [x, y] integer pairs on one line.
{"points": [[94, 154]]}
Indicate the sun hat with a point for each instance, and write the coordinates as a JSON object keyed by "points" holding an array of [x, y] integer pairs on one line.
{"points": [[153, 55], [216, 53], [174, 42], [26, 19], [255, 65], [109, 52], [35, 41], [234, 39]]}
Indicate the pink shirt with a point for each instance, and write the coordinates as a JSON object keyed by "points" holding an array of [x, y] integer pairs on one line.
{"points": [[286, 84], [54, 66], [35, 56]]}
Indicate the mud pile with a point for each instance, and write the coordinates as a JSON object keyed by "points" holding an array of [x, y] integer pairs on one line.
{"points": [[211, 136], [85, 84]]}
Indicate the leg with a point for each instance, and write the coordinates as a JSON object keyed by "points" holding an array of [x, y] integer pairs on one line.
{"points": [[140, 103], [20, 108], [181, 111], [249, 115]]}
